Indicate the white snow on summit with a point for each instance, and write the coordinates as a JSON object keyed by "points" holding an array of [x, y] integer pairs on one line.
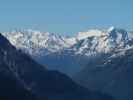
{"points": [[68, 54], [85, 43], [36, 42], [89, 33], [111, 40], [111, 28]]}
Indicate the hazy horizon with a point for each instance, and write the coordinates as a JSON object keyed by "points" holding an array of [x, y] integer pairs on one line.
{"points": [[65, 17]]}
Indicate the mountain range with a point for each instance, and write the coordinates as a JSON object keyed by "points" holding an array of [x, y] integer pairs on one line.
{"points": [[21, 78], [70, 54], [100, 60]]}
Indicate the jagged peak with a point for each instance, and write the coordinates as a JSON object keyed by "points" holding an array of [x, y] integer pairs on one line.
{"points": [[110, 29], [114, 29], [117, 33]]}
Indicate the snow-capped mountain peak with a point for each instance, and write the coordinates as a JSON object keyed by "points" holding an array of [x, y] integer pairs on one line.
{"points": [[110, 28], [89, 33], [118, 37], [45, 47], [85, 43], [102, 42], [36, 42], [115, 32]]}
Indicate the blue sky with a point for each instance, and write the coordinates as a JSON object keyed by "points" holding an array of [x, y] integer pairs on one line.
{"points": [[65, 16]]}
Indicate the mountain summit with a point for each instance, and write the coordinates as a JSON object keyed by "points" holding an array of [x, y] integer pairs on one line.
{"points": [[69, 53], [35, 42], [100, 60], [24, 79], [45, 43]]}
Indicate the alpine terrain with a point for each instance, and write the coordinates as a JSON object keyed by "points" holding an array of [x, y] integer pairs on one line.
{"points": [[21, 78], [100, 60]]}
